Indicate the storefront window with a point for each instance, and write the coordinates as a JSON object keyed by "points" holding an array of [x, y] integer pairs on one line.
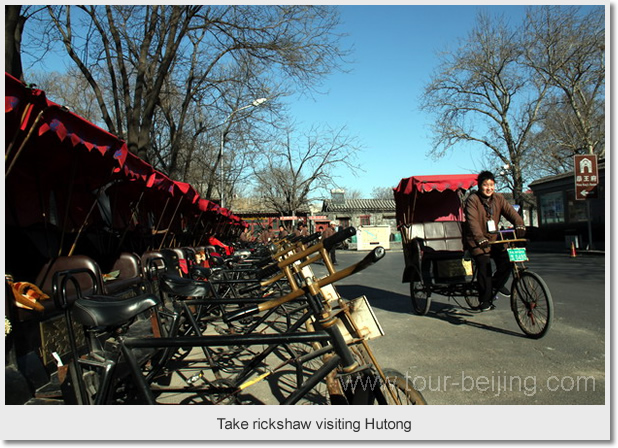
{"points": [[577, 209], [552, 208], [343, 222]]}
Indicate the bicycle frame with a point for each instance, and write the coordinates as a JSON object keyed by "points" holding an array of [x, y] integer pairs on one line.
{"points": [[328, 336]]}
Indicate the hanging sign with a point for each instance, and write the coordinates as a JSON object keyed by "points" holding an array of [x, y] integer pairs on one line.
{"points": [[586, 177]]}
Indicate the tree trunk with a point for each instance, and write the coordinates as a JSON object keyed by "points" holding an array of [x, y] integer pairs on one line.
{"points": [[13, 28]]}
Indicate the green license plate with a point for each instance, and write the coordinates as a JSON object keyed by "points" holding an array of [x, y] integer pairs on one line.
{"points": [[517, 254]]}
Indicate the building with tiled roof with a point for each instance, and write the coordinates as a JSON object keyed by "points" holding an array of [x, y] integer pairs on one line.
{"points": [[359, 205], [563, 216], [259, 216], [359, 212]]}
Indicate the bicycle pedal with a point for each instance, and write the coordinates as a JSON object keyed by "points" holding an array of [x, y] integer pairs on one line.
{"points": [[193, 379]]}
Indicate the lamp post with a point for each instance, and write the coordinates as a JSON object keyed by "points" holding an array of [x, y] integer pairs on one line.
{"points": [[224, 132]]}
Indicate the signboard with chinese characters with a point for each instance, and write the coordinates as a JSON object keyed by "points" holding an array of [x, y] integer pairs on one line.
{"points": [[586, 177]]}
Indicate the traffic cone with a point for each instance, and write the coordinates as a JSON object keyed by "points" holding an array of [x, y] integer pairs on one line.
{"points": [[573, 253]]}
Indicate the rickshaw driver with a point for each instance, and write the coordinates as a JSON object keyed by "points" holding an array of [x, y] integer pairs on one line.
{"points": [[483, 210]]}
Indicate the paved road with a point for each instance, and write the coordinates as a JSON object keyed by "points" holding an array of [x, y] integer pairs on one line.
{"points": [[458, 357]]}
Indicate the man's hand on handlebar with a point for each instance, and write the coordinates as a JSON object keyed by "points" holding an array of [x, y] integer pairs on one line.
{"points": [[483, 244]]}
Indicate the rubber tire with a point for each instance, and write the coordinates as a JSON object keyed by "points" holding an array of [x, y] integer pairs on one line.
{"points": [[421, 299], [405, 390], [358, 393], [529, 284], [472, 300]]}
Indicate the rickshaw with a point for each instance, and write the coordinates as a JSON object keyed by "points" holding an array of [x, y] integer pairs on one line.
{"points": [[430, 218]]}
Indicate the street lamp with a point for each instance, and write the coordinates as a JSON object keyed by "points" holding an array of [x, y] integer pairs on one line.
{"points": [[255, 103]]}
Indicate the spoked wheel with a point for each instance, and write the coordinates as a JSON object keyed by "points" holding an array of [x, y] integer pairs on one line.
{"points": [[368, 388], [472, 297], [421, 297], [371, 389], [532, 304], [398, 390]]}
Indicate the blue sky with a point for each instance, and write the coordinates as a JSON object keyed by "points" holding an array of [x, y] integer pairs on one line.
{"points": [[378, 101]]}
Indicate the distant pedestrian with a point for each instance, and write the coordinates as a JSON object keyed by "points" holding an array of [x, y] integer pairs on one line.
{"points": [[267, 235], [301, 230], [328, 232], [283, 232], [246, 237]]}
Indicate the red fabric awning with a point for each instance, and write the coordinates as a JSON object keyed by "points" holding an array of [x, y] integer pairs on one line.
{"points": [[56, 161], [431, 198], [58, 169], [135, 168], [205, 205], [426, 184]]}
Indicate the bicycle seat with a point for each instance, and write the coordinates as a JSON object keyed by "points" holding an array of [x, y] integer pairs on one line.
{"points": [[198, 272], [107, 311], [131, 277], [179, 286]]}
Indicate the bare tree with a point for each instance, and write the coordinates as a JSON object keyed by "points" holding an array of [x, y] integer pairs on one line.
{"points": [[483, 94], [15, 17], [567, 48], [299, 167], [13, 28], [70, 90], [382, 193], [139, 60]]}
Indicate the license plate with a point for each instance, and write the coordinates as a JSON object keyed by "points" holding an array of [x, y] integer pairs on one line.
{"points": [[518, 254]]}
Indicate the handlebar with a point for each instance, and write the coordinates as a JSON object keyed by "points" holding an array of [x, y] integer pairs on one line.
{"points": [[338, 237], [372, 257], [268, 271], [309, 238], [251, 288], [513, 240], [324, 244]]}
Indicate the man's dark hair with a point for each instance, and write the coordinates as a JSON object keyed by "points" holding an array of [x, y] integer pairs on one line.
{"points": [[483, 176]]}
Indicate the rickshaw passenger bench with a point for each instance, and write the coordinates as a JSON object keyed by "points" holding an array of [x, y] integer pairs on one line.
{"points": [[438, 237], [440, 246]]}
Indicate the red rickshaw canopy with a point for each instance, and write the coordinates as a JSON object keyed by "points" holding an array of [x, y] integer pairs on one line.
{"points": [[431, 198], [48, 146], [425, 184]]}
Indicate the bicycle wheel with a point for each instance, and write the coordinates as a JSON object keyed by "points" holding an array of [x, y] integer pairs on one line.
{"points": [[532, 304], [363, 388], [368, 388], [421, 297], [401, 388], [472, 297]]}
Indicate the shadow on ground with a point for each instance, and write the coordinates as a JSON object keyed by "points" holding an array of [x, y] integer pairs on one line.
{"points": [[398, 303], [378, 298]]}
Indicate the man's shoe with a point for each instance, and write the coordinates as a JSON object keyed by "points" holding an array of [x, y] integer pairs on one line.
{"points": [[486, 307], [505, 291]]}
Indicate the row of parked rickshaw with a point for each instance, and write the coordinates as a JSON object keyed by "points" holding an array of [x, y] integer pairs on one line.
{"points": [[202, 327], [209, 321]]}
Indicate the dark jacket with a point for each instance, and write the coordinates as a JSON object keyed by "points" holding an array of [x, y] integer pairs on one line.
{"points": [[478, 211], [300, 232], [266, 236], [327, 232]]}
